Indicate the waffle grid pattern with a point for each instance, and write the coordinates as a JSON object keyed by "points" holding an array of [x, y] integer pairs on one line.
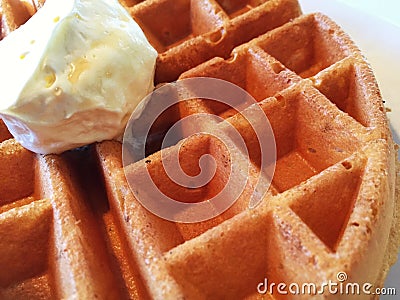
{"points": [[205, 28], [67, 232]]}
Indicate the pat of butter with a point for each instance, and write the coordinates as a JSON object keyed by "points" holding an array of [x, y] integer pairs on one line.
{"points": [[73, 74]]}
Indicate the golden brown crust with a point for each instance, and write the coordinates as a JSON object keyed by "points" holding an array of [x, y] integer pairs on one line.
{"points": [[72, 228]]}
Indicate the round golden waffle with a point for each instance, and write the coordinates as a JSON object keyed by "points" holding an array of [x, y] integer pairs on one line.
{"points": [[71, 227]]}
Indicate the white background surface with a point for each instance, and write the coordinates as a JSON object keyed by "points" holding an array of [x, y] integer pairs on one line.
{"points": [[375, 27]]}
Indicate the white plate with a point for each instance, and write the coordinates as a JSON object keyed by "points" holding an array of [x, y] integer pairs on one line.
{"points": [[380, 42]]}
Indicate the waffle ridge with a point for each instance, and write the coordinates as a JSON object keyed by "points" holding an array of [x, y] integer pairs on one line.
{"points": [[72, 228]]}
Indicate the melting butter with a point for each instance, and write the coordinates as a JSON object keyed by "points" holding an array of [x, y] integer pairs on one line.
{"points": [[73, 74]]}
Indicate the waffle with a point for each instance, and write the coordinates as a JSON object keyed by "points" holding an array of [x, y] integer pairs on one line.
{"points": [[72, 228]]}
